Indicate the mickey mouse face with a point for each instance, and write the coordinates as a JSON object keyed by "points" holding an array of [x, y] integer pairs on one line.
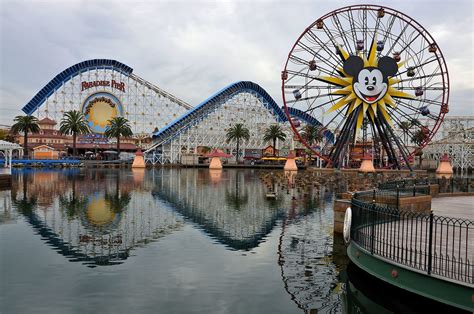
{"points": [[370, 84]]}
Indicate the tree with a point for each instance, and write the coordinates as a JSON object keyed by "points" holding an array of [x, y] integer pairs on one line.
{"points": [[117, 127], [312, 134], [25, 124], [74, 123], [419, 138], [237, 133], [71, 203], [272, 133], [119, 200], [405, 126]]}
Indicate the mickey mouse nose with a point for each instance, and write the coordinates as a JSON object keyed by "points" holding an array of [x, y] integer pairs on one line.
{"points": [[370, 88]]}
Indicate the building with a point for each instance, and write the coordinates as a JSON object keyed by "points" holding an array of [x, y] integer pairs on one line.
{"points": [[49, 136]]}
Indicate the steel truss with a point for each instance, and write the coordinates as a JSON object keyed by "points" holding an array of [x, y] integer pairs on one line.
{"points": [[145, 105], [208, 128], [456, 138]]}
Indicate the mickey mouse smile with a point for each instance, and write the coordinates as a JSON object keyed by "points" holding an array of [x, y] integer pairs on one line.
{"points": [[370, 99]]}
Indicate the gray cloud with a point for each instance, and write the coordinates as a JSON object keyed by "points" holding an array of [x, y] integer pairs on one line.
{"points": [[192, 49]]}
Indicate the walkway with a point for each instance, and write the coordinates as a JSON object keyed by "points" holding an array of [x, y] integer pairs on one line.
{"points": [[455, 206]]}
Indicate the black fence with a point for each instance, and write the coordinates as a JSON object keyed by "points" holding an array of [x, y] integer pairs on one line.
{"points": [[451, 185], [392, 196], [429, 243]]}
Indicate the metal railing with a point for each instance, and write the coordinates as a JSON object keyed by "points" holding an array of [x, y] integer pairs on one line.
{"points": [[451, 185], [436, 245]]}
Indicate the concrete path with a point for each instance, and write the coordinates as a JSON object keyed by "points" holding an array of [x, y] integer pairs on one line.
{"points": [[456, 206]]}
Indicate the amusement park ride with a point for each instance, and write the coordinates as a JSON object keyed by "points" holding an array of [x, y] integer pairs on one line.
{"points": [[372, 68], [370, 79]]}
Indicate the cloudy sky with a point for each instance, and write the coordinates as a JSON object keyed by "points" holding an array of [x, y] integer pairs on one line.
{"points": [[194, 48]]}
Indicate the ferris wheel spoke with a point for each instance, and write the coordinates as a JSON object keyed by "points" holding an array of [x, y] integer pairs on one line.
{"points": [[419, 77], [424, 88], [428, 101], [421, 65], [403, 113], [325, 47], [338, 23], [311, 87], [353, 29], [398, 38], [322, 105], [388, 31], [336, 57], [376, 29], [308, 98], [400, 125]]}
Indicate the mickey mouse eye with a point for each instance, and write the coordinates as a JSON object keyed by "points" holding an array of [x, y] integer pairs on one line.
{"points": [[366, 80], [374, 80]]}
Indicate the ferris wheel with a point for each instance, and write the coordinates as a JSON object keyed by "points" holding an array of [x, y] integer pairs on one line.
{"points": [[370, 76]]}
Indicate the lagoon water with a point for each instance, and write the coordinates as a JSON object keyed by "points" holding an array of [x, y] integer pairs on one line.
{"points": [[174, 241], [163, 241]]}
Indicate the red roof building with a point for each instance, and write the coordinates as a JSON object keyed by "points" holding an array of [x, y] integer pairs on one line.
{"points": [[51, 137]]}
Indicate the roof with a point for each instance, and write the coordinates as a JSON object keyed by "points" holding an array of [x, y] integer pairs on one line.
{"points": [[47, 121], [104, 146], [8, 145], [218, 153], [43, 145]]}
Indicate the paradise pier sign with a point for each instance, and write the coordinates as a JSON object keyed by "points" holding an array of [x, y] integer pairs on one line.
{"points": [[99, 108], [112, 83]]}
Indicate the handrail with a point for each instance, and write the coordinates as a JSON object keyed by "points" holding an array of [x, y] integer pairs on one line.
{"points": [[436, 245]]}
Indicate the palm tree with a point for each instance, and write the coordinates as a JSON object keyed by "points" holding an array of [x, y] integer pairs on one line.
{"points": [[236, 200], [312, 134], [405, 126], [237, 133], [116, 127], [74, 123], [419, 138], [71, 203], [272, 133], [25, 124], [119, 200]]}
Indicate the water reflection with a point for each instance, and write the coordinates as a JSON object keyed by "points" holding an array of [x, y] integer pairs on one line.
{"points": [[91, 217], [99, 216], [235, 212], [305, 256]]}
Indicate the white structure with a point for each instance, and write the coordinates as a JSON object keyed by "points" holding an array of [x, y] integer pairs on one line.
{"points": [[103, 89], [207, 124], [6, 149], [459, 147]]}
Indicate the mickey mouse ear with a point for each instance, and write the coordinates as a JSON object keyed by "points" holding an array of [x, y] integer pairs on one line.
{"points": [[388, 66], [353, 65]]}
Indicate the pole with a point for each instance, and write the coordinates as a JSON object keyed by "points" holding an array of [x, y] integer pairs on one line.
{"points": [[398, 197], [372, 228], [430, 248]]}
